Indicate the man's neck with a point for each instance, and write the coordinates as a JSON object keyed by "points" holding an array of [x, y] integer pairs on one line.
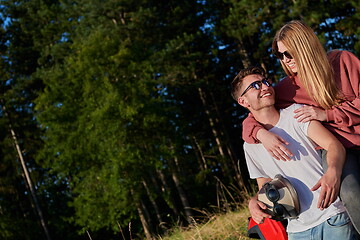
{"points": [[268, 117]]}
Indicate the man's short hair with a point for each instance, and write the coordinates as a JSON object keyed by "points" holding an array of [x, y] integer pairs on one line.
{"points": [[238, 80]]}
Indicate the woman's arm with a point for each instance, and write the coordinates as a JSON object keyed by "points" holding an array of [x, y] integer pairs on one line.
{"points": [[347, 74], [250, 127], [254, 132], [346, 114]]}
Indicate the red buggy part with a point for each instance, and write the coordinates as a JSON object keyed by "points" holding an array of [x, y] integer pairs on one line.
{"points": [[268, 230]]}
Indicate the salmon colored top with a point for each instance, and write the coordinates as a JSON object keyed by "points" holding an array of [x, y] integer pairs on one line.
{"points": [[342, 120]]}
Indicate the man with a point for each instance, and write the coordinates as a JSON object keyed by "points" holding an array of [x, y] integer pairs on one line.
{"points": [[322, 215]]}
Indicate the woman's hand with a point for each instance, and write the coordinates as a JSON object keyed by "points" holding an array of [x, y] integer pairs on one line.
{"points": [[307, 113], [275, 145]]}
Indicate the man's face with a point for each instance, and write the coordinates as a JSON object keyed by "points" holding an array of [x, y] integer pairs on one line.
{"points": [[256, 99]]}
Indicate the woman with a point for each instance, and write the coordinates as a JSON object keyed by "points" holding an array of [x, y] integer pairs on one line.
{"points": [[328, 85]]}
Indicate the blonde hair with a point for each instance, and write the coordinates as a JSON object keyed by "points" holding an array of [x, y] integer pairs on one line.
{"points": [[314, 69]]}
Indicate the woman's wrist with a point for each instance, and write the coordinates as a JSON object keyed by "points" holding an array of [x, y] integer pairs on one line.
{"points": [[260, 134]]}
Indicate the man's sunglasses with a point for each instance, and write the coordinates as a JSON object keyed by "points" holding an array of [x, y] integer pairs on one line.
{"points": [[280, 55], [257, 85]]}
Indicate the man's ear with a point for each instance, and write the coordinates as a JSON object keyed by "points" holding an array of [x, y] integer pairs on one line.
{"points": [[243, 102]]}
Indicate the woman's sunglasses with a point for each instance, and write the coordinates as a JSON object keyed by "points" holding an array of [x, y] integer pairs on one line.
{"points": [[280, 55], [257, 85]]}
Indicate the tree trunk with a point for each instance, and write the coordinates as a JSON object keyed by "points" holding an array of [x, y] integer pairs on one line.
{"points": [[199, 154], [27, 177], [166, 189], [181, 191], [146, 227], [144, 216], [230, 149], [225, 165], [245, 59], [155, 206]]}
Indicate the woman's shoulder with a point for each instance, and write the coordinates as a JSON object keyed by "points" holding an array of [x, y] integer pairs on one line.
{"points": [[341, 55], [284, 81]]}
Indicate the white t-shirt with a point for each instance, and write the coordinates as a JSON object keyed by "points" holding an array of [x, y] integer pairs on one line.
{"points": [[303, 171]]}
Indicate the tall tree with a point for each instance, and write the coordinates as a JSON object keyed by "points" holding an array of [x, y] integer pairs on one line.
{"points": [[26, 43]]}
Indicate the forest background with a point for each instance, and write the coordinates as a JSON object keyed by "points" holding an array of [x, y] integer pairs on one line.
{"points": [[116, 115]]}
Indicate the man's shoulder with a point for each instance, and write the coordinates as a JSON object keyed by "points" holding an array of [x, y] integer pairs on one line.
{"points": [[290, 109], [253, 149], [289, 123], [249, 146]]}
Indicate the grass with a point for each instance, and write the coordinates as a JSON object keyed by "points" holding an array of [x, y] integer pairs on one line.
{"points": [[227, 226]]}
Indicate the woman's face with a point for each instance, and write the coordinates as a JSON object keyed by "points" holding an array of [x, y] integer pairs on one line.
{"points": [[286, 58]]}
